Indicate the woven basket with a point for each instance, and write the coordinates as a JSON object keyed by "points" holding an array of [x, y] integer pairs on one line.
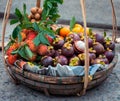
{"points": [[59, 85]]}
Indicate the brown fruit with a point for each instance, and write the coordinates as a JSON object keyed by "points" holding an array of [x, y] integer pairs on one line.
{"points": [[37, 16], [33, 20], [34, 10], [29, 17], [32, 16], [40, 10]]}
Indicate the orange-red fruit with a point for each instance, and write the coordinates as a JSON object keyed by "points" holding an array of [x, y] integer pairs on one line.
{"points": [[23, 35], [11, 48], [12, 59], [42, 49], [64, 31], [31, 35], [31, 45], [8, 52]]}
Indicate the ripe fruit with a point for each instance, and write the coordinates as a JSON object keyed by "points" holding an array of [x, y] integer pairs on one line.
{"points": [[104, 59], [34, 10], [99, 38], [46, 61], [58, 52], [12, 59], [67, 50], [109, 55], [31, 35], [23, 36], [31, 45], [13, 47], [40, 10], [42, 50], [58, 42], [78, 25], [79, 46], [37, 16], [64, 31], [77, 30], [61, 60], [72, 37], [74, 61], [90, 42], [51, 51], [98, 48], [110, 45]]}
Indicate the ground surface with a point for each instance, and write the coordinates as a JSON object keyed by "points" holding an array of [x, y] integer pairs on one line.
{"points": [[98, 12]]}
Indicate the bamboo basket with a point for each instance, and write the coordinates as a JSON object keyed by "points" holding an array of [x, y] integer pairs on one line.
{"points": [[59, 85]]}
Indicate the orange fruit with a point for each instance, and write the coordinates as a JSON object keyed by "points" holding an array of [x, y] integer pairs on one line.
{"points": [[64, 31]]}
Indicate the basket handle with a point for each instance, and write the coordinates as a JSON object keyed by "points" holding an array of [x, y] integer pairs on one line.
{"points": [[86, 68], [83, 7], [114, 22], [4, 24]]}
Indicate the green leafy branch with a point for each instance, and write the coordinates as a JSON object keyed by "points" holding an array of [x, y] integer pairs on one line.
{"points": [[50, 9], [21, 16]]}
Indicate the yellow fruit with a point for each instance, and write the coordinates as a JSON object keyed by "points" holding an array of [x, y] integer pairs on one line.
{"points": [[77, 30], [64, 31], [78, 25]]}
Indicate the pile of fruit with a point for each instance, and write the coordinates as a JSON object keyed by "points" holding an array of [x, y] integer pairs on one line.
{"points": [[43, 44]]}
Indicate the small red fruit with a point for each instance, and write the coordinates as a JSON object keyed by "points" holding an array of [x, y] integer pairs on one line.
{"points": [[12, 59], [31, 45], [31, 35], [42, 50]]}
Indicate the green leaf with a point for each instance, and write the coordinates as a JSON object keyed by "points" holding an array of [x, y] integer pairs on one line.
{"points": [[37, 40], [28, 52], [19, 37], [43, 39], [72, 23], [57, 1], [36, 27], [22, 53], [24, 8], [14, 21], [15, 32], [27, 25], [15, 51], [49, 4], [18, 13], [105, 34]]}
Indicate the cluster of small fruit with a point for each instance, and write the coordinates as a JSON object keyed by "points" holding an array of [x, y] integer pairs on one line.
{"points": [[67, 48], [35, 15]]}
